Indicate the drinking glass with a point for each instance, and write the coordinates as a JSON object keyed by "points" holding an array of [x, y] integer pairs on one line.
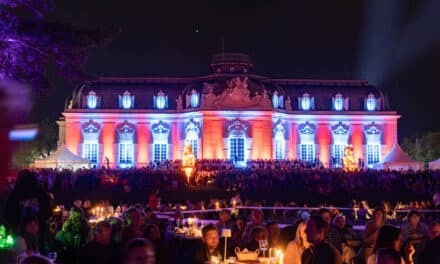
{"points": [[264, 244]]}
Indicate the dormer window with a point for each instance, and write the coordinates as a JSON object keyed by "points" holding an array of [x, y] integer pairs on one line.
{"points": [[371, 103], [277, 100], [340, 103], [194, 98], [126, 101], [306, 102], [92, 100], [161, 100]]}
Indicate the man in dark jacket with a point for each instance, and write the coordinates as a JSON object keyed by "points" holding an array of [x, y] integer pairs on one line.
{"points": [[209, 250]]}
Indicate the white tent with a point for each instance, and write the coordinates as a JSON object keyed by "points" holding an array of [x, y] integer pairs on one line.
{"points": [[434, 165], [62, 158], [398, 160]]}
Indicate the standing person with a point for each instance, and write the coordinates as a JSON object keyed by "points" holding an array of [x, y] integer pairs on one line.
{"points": [[387, 248], [320, 251], [333, 236], [296, 247], [431, 254], [27, 242], [414, 231], [210, 247], [371, 230]]}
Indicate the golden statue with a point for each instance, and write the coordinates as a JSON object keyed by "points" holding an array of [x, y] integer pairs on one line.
{"points": [[188, 160], [348, 161]]}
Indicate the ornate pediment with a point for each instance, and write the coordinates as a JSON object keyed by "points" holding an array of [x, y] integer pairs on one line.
{"points": [[91, 127], [307, 128], [278, 127], [126, 127], [160, 128], [192, 125], [372, 129], [340, 129], [238, 125]]}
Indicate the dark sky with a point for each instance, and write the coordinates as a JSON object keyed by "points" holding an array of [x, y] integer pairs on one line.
{"points": [[393, 44]]}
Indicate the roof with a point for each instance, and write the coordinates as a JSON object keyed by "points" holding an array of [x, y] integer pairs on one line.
{"points": [[397, 155], [63, 154]]}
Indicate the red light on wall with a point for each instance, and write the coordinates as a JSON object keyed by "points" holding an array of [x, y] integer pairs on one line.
{"points": [[108, 141], [143, 136]]}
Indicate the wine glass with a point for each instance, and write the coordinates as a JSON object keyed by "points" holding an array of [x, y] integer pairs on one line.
{"points": [[263, 244], [52, 256]]}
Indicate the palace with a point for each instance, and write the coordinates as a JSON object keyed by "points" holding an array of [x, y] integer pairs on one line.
{"points": [[230, 114]]}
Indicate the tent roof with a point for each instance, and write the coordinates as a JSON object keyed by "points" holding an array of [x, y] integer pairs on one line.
{"points": [[397, 155], [63, 154], [436, 161]]}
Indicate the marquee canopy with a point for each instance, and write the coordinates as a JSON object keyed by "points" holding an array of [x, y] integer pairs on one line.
{"points": [[62, 158], [434, 165], [398, 160]]}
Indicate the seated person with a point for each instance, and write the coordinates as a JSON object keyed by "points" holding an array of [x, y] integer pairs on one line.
{"points": [[257, 233], [224, 220], [139, 250], [273, 233], [209, 249]]}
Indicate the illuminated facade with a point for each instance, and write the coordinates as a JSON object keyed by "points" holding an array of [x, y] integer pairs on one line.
{"points": [[231, 114]]}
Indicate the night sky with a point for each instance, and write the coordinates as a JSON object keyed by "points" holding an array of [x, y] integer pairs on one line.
{"points": [[394, 44]]}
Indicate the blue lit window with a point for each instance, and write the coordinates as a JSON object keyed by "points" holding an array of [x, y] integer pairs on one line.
{"points": [[236, 149], [160, 152], [373, 153], [161, 100], [193, 138], [160, 141], [307, 132], [126, 153], [194, 98], [92, 100], [306, 102], [338, 153], [307, 152], [371, 102], [373, 146], [280, 146], [275, 100], [90, 151], [338, 102], [126, 101]]}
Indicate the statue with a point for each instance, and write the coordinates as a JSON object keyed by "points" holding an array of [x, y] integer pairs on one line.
{"points": [[288, 104], [188, 160], [265, 101], [179, 103], [209, 99], [348, 161]]}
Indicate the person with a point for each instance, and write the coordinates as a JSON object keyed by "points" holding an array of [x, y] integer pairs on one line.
{"points": [[102, 249], [273, 234], [132, 225], [257, 233], [349, 239], [257, 219], [27, 242], [237, 232], [296, 247], [320, 251], [224, 220], [414, 231], [387, 247], [210, 248], [371, 230], [431, 254], [152, 233], [139, 251], [333, 236]]}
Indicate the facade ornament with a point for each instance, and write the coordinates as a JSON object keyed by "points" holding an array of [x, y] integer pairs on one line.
{"points": [[179, 103], [288, 104]]}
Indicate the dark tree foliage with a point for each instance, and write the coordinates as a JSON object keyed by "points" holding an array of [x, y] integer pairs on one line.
{"points": [[30, 43], [425, 148]]}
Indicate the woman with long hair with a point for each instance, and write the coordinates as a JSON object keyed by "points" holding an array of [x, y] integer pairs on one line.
{"points": [[296, 247]]}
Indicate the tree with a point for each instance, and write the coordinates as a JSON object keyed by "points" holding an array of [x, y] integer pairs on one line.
{"points": [[29, 43], [423, 148]]}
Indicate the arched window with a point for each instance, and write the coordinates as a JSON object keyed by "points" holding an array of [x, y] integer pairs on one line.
{"points": [[338, 102], [90, 146], [275, 100], [237, 143], [161, 100], [194, 98], [92, 100], [160, 141], [307, 133], [279, 142], [370, 102], [126, 145], [373, 147], [126, 101], [340, 134], [192, 136], [306, 102]]}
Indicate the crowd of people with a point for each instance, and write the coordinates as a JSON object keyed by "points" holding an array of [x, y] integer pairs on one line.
{"points": [[143, 232]]}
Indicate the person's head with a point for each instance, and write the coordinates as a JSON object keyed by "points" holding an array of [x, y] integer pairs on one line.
{"points": [[76, 213], [325, 214], [152, 232], [339, 221], [258, 233], [148, 212], [316, 229], [225, 215], [414, 217], [139, 251], [434, 230], [273, 230], [30, 225], [388, 237], [210, 236], [34, 259], [133, 217], [103, 232], [300, 234], [378, 214], [240, 222], [257, 216]]}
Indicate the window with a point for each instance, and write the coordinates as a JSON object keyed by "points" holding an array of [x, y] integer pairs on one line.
{"points": [[92, 100], [126, 101], [236, 149], [371, 102], [194, 98], [160, 152], [275, 100], [279, 148], [338, 153], [125, 154], [338, 102], [161, 100], [306, 102], [90, 151], [193, 139], [307, 152], [373, 153]]}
